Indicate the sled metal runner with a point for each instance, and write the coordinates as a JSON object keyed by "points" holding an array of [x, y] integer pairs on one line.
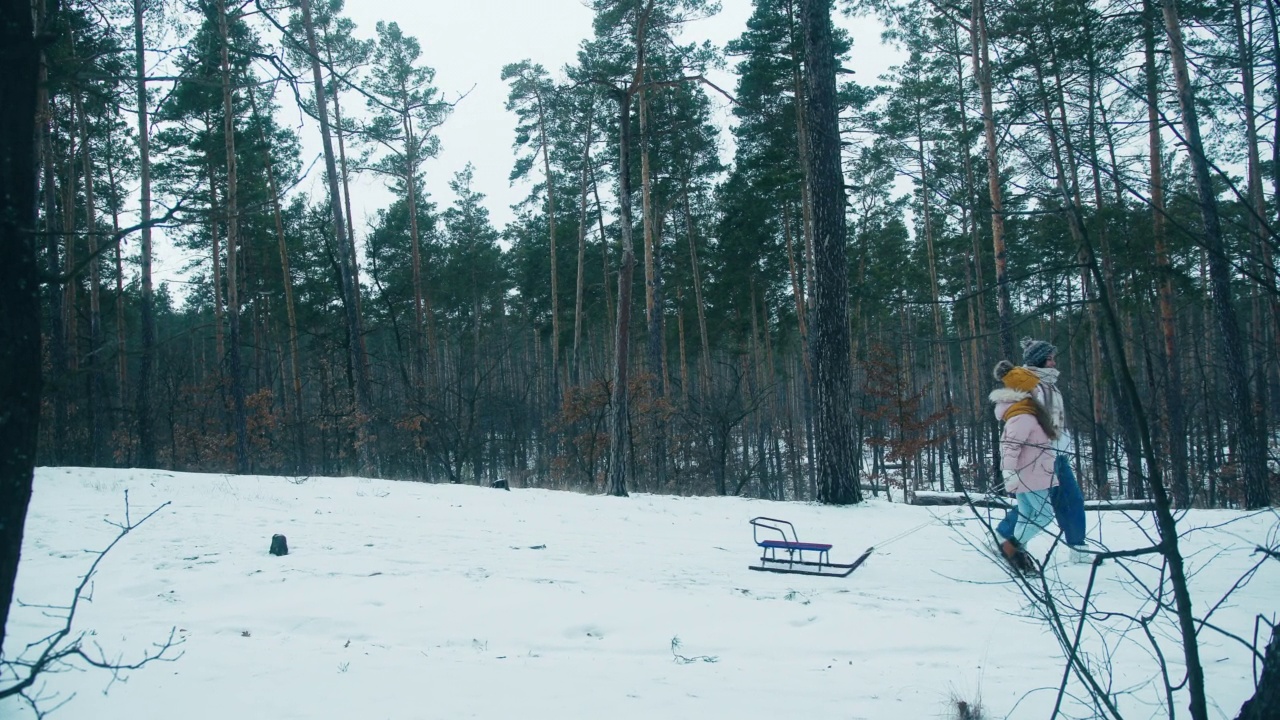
{"points": [[808, 567], [794, 561]]}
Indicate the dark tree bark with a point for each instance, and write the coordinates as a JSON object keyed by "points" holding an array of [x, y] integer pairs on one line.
{"points": [[1168, 325], [551, 223], [982, 74], [147, 303], [575, 364], [942, 363], [619, 430], [350, 292], [1265, 703], [619, 452], [53, 230], [837, 459], [652, 292], [239, 418], [287, 283], [97, 387], [19, 287], [1252, 448]]}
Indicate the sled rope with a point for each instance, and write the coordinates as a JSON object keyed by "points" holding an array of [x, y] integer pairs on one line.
{"points": [[905, 533]]}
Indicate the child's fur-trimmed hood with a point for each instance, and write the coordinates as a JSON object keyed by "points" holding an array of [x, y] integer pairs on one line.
{"points": [[1007, 395]]}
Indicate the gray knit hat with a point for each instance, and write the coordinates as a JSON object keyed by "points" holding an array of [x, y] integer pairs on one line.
{"points": [[1036, 352]]}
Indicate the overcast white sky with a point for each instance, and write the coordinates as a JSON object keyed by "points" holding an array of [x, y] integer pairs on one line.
{"points": [[467, 42]]}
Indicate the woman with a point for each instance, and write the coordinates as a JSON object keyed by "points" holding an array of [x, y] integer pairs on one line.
{"points": [[1041, 358], [1026, 458]]}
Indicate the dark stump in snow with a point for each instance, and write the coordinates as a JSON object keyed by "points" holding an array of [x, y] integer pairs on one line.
{"points": [[1265, 703], [279, 546]]}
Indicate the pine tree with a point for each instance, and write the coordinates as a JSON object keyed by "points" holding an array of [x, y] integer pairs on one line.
{"points": [[837, 469], [628, 32], [406, 110], [346, 260], [532, 99]]}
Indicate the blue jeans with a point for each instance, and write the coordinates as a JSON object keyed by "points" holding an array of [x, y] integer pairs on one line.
{"points": [[1068, 506], [1034, 513]]}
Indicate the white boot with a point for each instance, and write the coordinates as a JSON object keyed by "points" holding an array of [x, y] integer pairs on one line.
{"points": [[1079, 555]]}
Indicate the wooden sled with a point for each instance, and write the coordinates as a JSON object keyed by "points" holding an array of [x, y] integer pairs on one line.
{"points": [[794, 562]]}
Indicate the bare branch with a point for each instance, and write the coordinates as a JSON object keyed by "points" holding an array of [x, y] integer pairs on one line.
{"points": [[113, 239], [56, 648]]}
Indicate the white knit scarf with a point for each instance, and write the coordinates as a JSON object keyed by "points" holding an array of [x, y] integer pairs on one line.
{"points": [[1048, 376]]}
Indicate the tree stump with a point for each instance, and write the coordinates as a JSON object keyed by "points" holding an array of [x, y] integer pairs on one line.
{"points": [[1265, 703], [279, 546]]}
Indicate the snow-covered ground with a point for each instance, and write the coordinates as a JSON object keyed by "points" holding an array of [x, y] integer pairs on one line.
{"points": [[406, 600]]}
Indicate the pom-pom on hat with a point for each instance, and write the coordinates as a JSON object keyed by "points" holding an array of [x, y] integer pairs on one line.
{"points": [[1015, 378], [1001, 369], [1035, 353]]}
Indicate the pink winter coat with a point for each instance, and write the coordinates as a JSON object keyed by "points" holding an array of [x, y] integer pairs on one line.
{"points": [[1026, 452]]}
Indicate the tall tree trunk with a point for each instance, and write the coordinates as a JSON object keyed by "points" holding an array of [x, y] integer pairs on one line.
{"points": [[122, 355], [342, 164], [799, 87], [942, 363], [295, 372], [797, 291], [19, 288], [365, 437], [53, 230], [619, 432], [982, 74], [411, 191], [1258, 212], [1253, 453], [1168, 325], [239, 415], [695, 271], [215, 245], [651, 314], [146, 303], [554, 259], [1269, 266], [576, 363], [96, 381], [604, 255], [619, 423], [652, 290], [837, 460], [976, 316], [71, 289], [345, 174]]}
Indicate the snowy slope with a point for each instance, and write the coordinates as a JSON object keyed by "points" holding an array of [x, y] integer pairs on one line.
{"points": [[407, 600]]}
